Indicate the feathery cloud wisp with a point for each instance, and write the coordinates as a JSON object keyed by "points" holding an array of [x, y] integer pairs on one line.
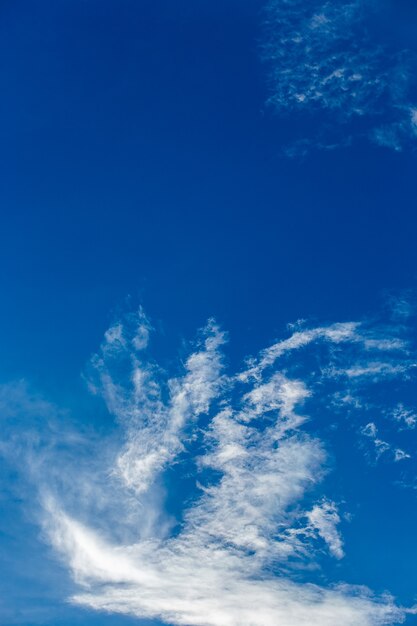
{"points": [[227, 558], [325, 59]]}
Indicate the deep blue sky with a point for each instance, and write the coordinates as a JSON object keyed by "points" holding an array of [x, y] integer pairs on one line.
{"points": [[139, 159]]}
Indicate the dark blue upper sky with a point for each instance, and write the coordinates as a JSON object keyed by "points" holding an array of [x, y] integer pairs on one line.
{"points": [[139, 159]]}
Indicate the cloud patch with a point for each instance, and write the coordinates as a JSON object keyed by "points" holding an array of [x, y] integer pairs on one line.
{"points": [[233, 450], [329, 60]]}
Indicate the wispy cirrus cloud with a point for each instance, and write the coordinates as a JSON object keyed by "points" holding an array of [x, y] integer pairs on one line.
{"points": [[325, 59], [255, 514], [324, 518], [405, 416], [382, 447]]}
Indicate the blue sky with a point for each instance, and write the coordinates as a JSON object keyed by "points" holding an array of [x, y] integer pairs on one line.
{"points": [[208, 271]]}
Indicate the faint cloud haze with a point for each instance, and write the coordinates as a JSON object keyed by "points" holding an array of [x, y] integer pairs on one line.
{"points": [[332, 61]]}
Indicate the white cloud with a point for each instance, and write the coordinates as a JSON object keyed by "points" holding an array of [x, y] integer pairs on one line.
{"points": [[405, 416], [324, 518], [400, 455], [370, 430], [336, 333], [262, 475], [187, 582], [381, 446], [375, 369], [155, 428], [324, 57], [244, 525]]}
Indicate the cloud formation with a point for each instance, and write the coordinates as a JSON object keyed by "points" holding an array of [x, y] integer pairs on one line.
{"points": [[254, 517], [329, 59]]}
